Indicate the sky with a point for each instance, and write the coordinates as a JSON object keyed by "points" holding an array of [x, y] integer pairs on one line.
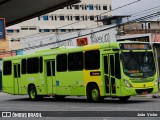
{"points": [[134, 8]]}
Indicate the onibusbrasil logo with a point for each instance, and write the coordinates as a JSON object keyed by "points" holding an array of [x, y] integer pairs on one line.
{"points": [[22, 114]]}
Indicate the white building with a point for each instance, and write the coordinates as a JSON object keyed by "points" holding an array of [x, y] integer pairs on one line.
{"points": [[71, 18]]}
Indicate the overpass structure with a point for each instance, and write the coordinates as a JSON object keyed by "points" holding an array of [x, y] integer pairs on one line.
{"points": [[16, 11]]}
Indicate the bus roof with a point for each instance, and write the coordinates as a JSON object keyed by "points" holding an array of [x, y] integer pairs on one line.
{"points": [[65, 49]]}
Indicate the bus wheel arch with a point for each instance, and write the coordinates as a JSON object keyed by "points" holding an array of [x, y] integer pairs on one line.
{"points": [[93, 92], [32, 92]]}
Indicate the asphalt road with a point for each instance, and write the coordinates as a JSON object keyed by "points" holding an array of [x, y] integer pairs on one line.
{"points": [[70, 106]]}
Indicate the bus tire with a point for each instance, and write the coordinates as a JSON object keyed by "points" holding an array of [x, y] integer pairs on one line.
{"points": [[124, 99], [33, 93], [93, 94]]}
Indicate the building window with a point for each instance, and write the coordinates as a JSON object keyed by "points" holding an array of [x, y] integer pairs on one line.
{"points": [[105, 7], [61, 17], [24, 28], [110, 7], [82, 7], [99, 7], [91, 7], [9, 31], [96, 7], [82, 17], [77, 18], [39, 18], [86, 17], [63, 30], [85, 7], [70, 7], [46, 30], [76, 7], [45, 17], [52, 18], [146, 26], [68, 17], [34, 28], [53, 30], [40, 30], [71, 17], [55, 17], [91, 17]]}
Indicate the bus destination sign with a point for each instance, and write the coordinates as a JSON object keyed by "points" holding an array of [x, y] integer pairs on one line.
{"points": [[135, 46], [137, 39]]}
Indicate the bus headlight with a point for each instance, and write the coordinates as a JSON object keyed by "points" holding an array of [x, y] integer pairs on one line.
{"points": [[156, 82], [127, 84]]}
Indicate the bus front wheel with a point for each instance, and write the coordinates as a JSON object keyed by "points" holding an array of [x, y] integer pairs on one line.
{"points": [[33, 93], [93, 94]]}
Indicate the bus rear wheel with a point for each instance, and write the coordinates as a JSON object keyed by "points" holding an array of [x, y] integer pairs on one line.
{"points": [[93, 94], [33, 93], [124, 99]]}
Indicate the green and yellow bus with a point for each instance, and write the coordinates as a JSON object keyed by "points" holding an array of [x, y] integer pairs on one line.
{"points": [[97, 71]]}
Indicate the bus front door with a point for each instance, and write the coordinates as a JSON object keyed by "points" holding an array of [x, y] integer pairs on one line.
{"points": [[16, 78], [50, 76], [112, 74], [109, 74]]}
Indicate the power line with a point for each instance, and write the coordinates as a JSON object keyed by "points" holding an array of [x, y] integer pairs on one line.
{"points": [[82, 20], [103, 13]]}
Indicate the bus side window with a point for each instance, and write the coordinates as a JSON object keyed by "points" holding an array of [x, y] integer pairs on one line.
{"points": [[61, 62], [112, 64], [19, 72], [106, 64], [32, 65], [48, 68], [75, 61], [24, 66], [53, 68], [92, 60], [40, 64], [7, 68], [15, 71], [117, 66]]}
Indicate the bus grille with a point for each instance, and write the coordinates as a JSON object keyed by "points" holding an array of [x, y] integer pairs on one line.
{"points": [[142, 81], [141, 91]]}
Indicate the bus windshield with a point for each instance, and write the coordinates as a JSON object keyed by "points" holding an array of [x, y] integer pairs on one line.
{"points": [[138, 64]]}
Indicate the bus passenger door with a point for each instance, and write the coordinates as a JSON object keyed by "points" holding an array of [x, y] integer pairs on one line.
{"points": [[106, 75], [112, 73], [50, 75], [16, 78]]}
